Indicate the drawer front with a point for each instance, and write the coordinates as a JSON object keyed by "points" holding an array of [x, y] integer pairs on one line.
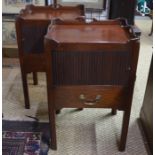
{"points": [[89, 97]]}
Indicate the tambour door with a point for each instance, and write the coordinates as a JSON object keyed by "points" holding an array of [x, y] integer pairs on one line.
{"points": [[91, 68]]}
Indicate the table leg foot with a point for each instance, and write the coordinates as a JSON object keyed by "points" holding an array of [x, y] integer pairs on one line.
{"points": [[35, 78], [124, 133], [113, 111], [25, 90], [58, 111]]}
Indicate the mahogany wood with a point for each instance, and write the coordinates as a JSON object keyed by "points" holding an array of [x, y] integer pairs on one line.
{"points": [[31, 26], [73, 50]]}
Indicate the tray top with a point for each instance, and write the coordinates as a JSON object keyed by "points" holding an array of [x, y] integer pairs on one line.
{"points": [[70, 14], [87, 33], [32, 12]]}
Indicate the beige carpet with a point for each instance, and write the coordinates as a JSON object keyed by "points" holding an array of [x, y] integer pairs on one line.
{"points": [[87, 132]]}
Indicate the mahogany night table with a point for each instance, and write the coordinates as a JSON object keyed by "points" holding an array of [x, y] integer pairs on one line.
{"points": [[31, 26], [91, 65]]}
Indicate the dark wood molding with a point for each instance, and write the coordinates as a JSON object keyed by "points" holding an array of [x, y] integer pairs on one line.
{"points": [[146, 114]]}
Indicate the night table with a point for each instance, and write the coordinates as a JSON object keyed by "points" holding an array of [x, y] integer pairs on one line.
{"points": [[31, 26], [91, 65]]}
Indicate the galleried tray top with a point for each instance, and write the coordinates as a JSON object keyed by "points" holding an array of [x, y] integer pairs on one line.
{"points": [[54, 14], [95, 32], [49, 12]]}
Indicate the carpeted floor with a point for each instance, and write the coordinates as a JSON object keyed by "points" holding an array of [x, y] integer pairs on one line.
{"points": [[88, 132]]}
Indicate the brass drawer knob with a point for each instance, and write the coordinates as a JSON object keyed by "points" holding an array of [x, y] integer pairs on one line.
{"points": [[89, 102]]}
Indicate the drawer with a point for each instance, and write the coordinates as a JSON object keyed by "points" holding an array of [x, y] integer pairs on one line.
{"points": [[89, 97]]}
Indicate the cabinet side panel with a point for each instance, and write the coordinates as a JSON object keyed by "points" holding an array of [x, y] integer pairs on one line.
{"points": [[33, 38]]}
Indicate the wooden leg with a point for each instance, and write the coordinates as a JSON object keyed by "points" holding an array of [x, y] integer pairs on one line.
{"points": [[35, 78], [53, 144], [58, 111], [80, 108], [51, 113], [25, 90], [113, 111], [125, 126]]}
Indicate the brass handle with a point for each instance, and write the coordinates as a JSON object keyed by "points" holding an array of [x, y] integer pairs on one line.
{"points": [[89, 102]]}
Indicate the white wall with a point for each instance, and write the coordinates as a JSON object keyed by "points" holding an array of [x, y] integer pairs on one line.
{"points": [[88, 3]]}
